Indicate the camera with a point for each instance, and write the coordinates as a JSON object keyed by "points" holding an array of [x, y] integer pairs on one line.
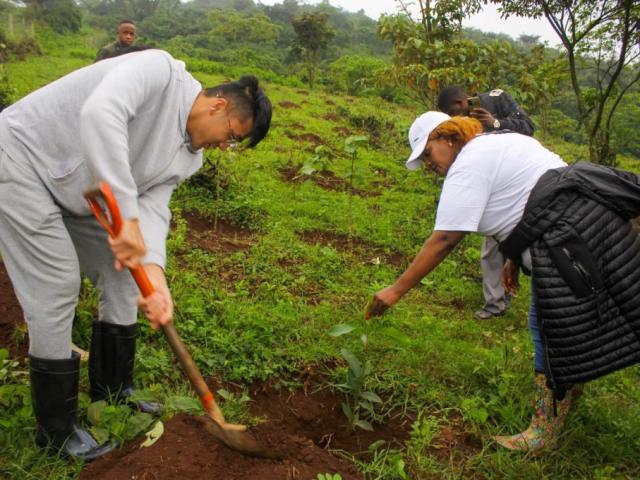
{"points": [[474, 102]]}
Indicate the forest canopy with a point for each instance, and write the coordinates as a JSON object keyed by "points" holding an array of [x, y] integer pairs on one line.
{"points": [[402, 57]]}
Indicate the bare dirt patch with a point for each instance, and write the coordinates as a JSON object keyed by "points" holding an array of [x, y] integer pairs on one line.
{"points": [[365, 252], [325, 179], [328, 180], [331, 118], [306, 428], [288, 105], [344, 131], [312, 138], [11, 319], [292, 174], [226, 237]]}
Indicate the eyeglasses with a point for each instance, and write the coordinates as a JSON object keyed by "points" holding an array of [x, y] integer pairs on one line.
{"points": [[232, 142]]}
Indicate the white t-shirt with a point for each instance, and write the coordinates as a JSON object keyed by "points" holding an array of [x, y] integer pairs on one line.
{"points": [[488, 185]]}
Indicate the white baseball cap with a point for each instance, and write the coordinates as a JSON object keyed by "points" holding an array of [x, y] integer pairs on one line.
{"points": [[419, 134]]}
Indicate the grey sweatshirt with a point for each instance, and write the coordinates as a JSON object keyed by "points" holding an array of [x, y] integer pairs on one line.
{"points": [[121, 120]]}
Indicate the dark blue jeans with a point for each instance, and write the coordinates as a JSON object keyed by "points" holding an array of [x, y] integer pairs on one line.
{"points": [[538, 356]]}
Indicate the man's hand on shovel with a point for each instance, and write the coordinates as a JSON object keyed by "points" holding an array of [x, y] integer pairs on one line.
{"points": [[128, 246], [157, 307]]}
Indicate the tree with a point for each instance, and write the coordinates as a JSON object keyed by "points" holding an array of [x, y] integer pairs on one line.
{"points": [[62, 15], [528, 40], [242, 28], [628, 125], [352, 74], [540, 80], [312, 36], [604, 37], [109, 12], [427, 52], [430, 55]]}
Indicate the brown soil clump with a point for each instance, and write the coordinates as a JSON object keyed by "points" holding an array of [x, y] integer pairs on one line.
{"points": [[11, 319]]}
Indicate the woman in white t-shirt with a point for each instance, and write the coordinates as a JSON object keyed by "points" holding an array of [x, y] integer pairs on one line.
{"points": [[488, 179]]}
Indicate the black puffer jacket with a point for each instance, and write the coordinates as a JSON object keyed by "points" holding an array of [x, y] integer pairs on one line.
{"points": [[586, 270]]}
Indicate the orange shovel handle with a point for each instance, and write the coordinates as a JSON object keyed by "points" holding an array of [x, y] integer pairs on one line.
{"points": [[112, 226]]}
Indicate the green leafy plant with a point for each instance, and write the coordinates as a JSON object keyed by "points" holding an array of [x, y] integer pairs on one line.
{"points": [[312, 35], [370, 329], [475, 411], [118, 421], [8, 93], [351, 146], [328, 476], [423, 431], [14, 391], [234, 404], [358, 398], [319, 162], [359, 370], [383, 463]]}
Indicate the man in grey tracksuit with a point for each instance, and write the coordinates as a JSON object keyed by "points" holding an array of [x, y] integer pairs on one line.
{"points": [[140, 123], [497, 111]]}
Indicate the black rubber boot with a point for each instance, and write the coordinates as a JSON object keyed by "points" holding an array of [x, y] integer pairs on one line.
{"points": [[111, 359], [54, 395]]}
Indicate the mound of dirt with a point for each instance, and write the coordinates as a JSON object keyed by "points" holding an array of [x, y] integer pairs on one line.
{"points": [[304, 428], [186, 451]]}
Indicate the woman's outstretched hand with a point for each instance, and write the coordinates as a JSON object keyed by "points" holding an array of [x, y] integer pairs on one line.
{"points": [[382, 301]]}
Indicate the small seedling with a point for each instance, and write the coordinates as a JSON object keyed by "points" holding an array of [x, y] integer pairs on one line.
{"points": [[358, 398], [351, 146], [328, 476], [319, 162], [359, 370]]}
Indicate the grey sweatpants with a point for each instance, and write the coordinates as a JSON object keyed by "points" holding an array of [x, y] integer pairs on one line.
{"points": [[43, 252], [492, 263]]}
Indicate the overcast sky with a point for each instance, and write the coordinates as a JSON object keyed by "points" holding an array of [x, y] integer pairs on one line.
{"points": [[488, 21]]}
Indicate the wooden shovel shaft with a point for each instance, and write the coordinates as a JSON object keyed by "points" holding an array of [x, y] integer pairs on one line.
{"points": [[189, 367], [146, 287]]}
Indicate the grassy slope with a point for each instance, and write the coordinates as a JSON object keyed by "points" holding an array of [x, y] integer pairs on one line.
{"points": [[263, 324]]}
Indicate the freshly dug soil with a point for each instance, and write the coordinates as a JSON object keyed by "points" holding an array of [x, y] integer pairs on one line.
{"points": [[302, 426]]}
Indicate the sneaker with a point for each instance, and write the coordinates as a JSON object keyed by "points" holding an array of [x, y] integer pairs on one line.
{"points": [[507, 300], [486, 314]]}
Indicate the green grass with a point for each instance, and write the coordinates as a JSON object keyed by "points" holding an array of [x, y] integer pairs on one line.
{"points": [[264, 312], [36, 72]]}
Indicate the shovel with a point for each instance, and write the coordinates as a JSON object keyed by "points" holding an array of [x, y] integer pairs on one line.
{"points": [[232, 436]]}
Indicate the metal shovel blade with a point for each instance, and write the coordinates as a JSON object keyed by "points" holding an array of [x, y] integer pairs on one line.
{"points": [[236, 439]]}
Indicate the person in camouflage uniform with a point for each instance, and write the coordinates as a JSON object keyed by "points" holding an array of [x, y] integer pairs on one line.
{"points": [[126, 34]]}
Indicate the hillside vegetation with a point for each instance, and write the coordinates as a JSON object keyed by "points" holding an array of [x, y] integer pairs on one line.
{"points": [[271, 248]]}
